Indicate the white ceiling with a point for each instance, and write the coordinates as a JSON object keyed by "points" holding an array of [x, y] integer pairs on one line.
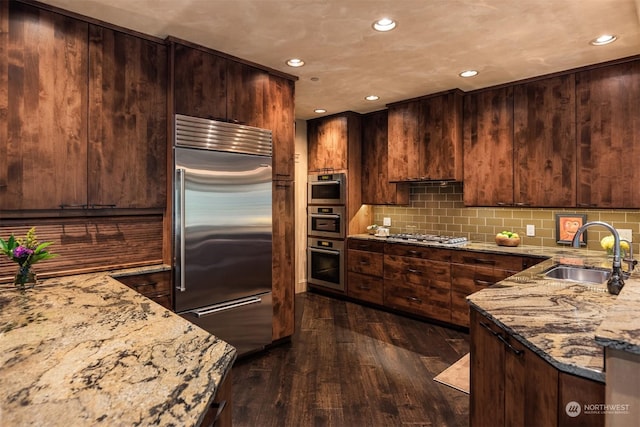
{"points": [[506, 40]]}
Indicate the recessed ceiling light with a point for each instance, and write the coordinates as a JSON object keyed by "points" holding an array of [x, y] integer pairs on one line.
{"points": [[319, 110], [468, 73], [372, 97], [295, 62], [603, 39], [384, 24]]}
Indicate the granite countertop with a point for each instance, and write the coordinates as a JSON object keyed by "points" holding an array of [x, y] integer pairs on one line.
{"points": [[86, 350], [566, 323]]}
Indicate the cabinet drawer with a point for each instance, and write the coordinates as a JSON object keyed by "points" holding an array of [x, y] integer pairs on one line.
{"points": [[459, 308], [423, 252], [416, 271], [371, 263], [365, 245], [365, 288], [155, 286], [505, 262], [428, 301], [470, 279]]}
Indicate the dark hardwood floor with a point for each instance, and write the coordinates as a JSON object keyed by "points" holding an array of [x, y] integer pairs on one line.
{"points": [[351, 365]]}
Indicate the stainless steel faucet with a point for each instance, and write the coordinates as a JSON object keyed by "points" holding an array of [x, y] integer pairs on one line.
{"points": [[631, 263], [615, 282]]}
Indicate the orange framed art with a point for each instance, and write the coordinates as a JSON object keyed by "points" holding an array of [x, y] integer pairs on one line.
{"points": [[567, 224]]}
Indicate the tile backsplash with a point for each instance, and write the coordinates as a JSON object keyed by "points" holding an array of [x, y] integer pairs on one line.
{"points": [[437, 209]]}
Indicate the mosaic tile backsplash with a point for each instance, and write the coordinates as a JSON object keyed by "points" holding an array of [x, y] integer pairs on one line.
{"points": [[436, 209]]}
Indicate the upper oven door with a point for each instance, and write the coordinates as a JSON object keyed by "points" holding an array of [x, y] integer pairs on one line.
{"points": [[326, 189], [326, 221]]}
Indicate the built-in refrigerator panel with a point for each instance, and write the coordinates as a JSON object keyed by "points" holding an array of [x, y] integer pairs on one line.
{"points": [[223, 227]]}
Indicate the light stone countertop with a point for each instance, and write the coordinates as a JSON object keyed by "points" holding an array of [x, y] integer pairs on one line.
{"points": [[566, 323], [88, 350]]}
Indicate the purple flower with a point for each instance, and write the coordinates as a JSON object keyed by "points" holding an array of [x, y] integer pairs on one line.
{"points": [[21, 252]]}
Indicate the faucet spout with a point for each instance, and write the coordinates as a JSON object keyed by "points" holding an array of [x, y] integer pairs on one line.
{"points": [[616, 281]]}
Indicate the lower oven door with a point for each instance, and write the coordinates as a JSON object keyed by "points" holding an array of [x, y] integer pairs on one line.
{"points": [[325, 260]]}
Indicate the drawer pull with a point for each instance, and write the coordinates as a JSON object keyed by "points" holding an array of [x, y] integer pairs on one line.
{"points": [[413, 271], [361, 246], [502, 339], [413, 252], [364, 262], [414, 299], [364, 288], [138, 285], [160, 296], [481, 261], [483, 282]]}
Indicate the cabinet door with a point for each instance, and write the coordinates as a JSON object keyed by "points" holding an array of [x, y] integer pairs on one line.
{"points": [[127, 121], [280, 119], [283, 275], [199, 83], [404, 152], [246, 93], [376, 188], [545, 143], [441, 148], [43, 109], [488, 148], [608, 116], [328, 144]]}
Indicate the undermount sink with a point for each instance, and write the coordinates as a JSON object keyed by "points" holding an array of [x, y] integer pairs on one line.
{"points": [[578, 274]]}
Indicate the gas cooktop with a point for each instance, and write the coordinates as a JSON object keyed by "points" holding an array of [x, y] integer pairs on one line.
{"points": [[428, 238]]}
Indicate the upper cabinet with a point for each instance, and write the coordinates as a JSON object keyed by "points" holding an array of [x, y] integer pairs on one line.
{"points": [[280, 118], [488, 148], [545, 143], [328, 143], [425, 138], [376, 188], [127, 120], [608, 120], [85, 111], [43, 109], [215, 87]]}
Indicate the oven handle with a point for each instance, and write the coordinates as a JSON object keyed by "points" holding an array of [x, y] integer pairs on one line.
{"points": [[325, 182], [324, 251], [326, 216]]}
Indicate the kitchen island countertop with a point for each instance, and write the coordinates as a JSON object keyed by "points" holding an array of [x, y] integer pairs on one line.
{"points": [[86, 350], [566, 323]]}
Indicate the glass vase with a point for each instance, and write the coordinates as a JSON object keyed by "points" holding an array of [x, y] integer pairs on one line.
{"points": [[25, 278]]}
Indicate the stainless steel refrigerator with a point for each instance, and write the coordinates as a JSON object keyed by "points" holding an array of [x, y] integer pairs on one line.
{"points": [[223, 230]]}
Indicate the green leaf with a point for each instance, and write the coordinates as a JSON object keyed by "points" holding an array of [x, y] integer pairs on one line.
{"points": [[41, 246]]}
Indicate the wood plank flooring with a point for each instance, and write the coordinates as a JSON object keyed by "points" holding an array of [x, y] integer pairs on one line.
{"points": [[351, 365]]}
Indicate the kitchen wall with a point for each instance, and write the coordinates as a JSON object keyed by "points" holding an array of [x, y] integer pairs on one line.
{"points": [[439, 209]]}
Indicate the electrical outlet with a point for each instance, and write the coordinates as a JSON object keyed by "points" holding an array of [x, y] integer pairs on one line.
{"points": [[386, 221], [531, 230], [625, 233]]}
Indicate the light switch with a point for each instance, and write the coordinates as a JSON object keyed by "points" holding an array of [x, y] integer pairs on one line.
{"points": [[531, 230], [626, 234], [386, 221]]}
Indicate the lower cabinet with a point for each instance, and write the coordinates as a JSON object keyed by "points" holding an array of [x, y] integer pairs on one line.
{"points": [[364, 270], [155, 286], [220, 412], [513, 386]]}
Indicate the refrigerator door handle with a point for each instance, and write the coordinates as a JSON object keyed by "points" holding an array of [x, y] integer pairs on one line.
{"points": [[226, 306], [181, 226]]}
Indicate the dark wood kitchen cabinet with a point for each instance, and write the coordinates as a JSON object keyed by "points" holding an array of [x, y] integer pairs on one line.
{"points": [[609, 136], [213, 86], [283, 273], [328, 143], [513, 386], [280, 118], [473, 271], [488, 148], [365, 266], [545, 143], [127, 121], [43, 109], [425, 138], [376, 188], [417, 280]]}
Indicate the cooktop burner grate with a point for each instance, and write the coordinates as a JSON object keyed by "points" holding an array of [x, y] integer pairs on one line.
{"points": [[428, 238]]}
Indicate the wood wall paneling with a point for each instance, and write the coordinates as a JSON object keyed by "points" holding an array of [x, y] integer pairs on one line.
{"points": [[283, 276], [280, 112]]}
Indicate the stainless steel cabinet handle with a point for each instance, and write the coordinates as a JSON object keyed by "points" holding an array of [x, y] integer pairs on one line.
{"points": [[483, 282], [413, 270], [325, 251]]}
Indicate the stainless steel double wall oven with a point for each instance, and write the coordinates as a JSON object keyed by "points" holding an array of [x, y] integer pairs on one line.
{"points": [[326, 230]]}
